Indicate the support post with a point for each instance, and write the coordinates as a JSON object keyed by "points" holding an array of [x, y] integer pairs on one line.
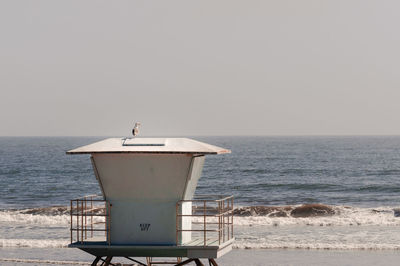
{"points": [[212, 262], [96, 260], [198, 262], [107, 261], [185, 262]]}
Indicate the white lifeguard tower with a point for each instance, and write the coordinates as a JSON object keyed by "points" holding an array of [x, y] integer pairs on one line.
{"points": [[147, 207]]}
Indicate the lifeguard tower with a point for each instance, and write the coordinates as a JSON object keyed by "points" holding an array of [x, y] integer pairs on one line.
{"points": [[147, 207]]}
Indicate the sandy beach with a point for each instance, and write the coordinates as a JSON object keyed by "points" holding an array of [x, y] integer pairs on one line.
{"points": [[238, 257]]}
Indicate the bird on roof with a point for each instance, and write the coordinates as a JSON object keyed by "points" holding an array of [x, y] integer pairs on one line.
{"points": [[135, 130]]}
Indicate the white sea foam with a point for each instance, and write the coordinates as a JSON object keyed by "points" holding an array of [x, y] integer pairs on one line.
{"points": [[34, 243], [348, 228], [346, 216], [22, 218]]}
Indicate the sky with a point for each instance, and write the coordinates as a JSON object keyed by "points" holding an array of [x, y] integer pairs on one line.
{"points": [[184, 68]]}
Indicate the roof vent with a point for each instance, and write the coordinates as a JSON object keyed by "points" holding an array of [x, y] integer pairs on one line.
{"points": [[143, 142]]}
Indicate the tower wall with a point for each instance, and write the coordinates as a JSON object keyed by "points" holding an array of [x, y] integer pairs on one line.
{"points": [[143, 190]]}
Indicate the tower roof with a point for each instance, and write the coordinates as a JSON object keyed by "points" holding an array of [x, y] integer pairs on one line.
{"points": [[149, 145]]}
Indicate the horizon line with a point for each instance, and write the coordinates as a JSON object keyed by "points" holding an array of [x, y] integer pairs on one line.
{"points": [[211, 135]]}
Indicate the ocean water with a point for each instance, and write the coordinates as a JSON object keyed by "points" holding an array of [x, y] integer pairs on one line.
{"points": [[357, 178]]}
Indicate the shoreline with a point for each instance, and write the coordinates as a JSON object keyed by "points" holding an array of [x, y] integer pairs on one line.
{"points": [[237, 257]]}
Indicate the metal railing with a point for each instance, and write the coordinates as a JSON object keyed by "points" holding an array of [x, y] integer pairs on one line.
{"points": [[211, 219], [90, 216]]}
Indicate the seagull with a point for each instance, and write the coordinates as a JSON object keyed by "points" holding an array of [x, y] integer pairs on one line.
{"points": [[135, 130]]}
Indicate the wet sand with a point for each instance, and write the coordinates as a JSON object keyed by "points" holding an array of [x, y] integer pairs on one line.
{"points": [[238, 257], [311, 257]]}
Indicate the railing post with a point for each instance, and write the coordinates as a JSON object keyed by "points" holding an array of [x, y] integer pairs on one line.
{"points": [[81, 221], [219, 223], [224, 210], [109, 223], [85, 218], [85, 214], [70, 212], [223, 221], [106, 210], [205, 223], [177, 221], [77, 221], [228, 227], [91, 216], [232, 218]]}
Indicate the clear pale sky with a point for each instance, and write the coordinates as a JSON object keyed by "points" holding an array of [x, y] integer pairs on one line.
{"points": [[199, 67]]}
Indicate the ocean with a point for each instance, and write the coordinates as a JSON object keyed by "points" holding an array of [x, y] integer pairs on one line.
{"points": [[356, 177]]}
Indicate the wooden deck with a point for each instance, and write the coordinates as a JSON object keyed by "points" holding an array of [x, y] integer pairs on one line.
{"points": [[193, 249]]}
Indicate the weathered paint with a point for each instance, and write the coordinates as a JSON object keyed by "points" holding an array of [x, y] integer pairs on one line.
{"points": [[143, 177], [143, 190]]}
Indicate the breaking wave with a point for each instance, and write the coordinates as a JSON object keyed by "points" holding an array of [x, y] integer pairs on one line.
{"points": [[306, 214], [316, 215], [21, 217], [307, 226], [305, 210]]}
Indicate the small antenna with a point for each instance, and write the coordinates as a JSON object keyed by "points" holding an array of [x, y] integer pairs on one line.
{"points": [[135, 130]]}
